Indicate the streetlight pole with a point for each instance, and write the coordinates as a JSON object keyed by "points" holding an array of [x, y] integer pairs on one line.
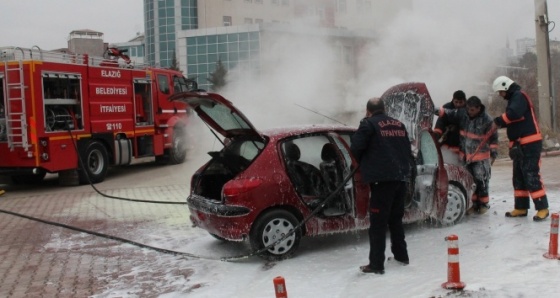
{"points": [[547, 102]]}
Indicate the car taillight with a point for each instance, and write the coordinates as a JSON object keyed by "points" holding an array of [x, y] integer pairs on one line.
{"points": [[239, 186]]}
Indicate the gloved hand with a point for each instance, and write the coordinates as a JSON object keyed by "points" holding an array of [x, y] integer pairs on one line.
{"points": [[515, 152]]}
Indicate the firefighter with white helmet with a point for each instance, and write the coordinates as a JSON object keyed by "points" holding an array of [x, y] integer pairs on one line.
{"points": [[525, 143]]}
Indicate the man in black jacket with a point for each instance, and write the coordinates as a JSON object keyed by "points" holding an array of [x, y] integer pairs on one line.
{"points": [[525, 143], [382, 147], [446, 131]]}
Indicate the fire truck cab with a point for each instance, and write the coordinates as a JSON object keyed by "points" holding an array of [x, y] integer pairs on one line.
{"points": [[76, 115]]}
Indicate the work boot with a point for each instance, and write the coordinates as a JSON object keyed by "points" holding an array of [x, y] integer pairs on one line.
{"points": [[483, 208], [2, 192], [541, 215], [473, 209], [517, 213]]}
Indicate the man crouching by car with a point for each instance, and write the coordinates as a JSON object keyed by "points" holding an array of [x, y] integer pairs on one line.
{"points": [[382, 148]]}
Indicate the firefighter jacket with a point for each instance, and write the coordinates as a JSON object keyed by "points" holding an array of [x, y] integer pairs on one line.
{"points": [[519, 117], [382, 148], [448, 131], [474, 131]]}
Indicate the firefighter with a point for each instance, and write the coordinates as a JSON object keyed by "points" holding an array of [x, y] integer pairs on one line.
{"points": [[448, 133], [479, 147], [525, 143], [382, 147]]}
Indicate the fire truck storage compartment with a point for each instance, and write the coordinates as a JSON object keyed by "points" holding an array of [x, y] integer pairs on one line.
{"points": [[145, 146], [62, 99], [123, 151]]}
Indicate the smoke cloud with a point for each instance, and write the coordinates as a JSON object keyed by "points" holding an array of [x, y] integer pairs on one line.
{"points": [[449, 45]]}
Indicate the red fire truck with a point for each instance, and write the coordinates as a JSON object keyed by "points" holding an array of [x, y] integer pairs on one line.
{"points": [[76, 115]]}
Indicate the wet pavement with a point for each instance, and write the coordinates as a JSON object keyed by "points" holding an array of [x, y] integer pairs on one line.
{"points": [[45, 260]]}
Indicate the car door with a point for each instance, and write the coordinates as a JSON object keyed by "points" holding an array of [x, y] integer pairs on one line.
{"points": [[348, 163], [431, 181]]}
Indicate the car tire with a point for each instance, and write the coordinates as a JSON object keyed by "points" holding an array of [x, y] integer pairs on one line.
{"points": [[270, 227], [95, 163], [456, 206]]}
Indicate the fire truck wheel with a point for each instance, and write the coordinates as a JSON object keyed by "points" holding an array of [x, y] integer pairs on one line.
{"points": [[96, 163], [178, 151], [29, 178]]}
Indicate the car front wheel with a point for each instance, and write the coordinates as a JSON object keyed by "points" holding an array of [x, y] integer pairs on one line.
{"points": [[271, 227], [456, 206]]}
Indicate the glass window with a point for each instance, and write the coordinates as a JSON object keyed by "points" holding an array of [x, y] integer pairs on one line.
{"points": [[243, 46], [163, 82], [233, 37], [212, 39], [248, 21], [202, 58], [191, 50], [212, 48], [201, 49], [227, 20], [222, 38], [222, 48], [212, 58], [201, 40]]}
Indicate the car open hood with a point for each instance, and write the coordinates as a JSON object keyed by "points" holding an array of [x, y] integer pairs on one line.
{"points": [[412, 104], [217, 112]]}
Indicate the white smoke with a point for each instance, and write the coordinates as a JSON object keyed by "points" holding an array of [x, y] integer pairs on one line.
{"points": [[449, 45]]}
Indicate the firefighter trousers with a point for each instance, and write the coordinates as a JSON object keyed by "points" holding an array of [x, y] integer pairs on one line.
{"points": [[527, 178], [481, 172], [386, 205]]}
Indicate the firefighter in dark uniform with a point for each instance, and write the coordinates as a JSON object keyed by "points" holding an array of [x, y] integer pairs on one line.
{"points": [[479, 147], [448, 133], [525, 143], [382, 148]]}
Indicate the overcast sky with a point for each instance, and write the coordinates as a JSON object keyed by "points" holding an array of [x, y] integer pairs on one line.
{"points": [[47, 23]]}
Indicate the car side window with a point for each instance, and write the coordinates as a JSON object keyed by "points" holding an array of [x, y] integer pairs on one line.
{"points": [[428, 149]]}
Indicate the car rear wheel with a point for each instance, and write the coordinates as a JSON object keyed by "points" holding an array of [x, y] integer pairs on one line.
{"points": [[271, 227], [456, 206]]}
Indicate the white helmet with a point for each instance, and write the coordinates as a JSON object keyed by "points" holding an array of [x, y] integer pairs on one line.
{"points": [[502, 83]]}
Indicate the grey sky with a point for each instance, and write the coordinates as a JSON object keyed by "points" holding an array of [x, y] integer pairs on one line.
{"points": [[47, 23]]}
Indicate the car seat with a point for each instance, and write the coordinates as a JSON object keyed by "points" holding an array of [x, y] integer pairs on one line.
{"points": [[329, 168], [306, 178]]}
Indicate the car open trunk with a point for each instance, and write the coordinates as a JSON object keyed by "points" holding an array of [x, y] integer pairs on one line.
{"points": [[225, 165]]}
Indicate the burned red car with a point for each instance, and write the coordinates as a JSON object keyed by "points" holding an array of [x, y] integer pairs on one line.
{"points": [[263, 184]]}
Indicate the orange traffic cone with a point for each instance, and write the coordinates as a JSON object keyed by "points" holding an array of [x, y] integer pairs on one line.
{"points": [[453, 272], [553, 244], [280, 287]]}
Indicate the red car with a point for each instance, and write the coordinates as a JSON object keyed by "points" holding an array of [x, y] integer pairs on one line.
{"points": [[263, 184]]}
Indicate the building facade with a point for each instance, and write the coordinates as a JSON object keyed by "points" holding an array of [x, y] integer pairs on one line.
{"points": [[165, 19]]}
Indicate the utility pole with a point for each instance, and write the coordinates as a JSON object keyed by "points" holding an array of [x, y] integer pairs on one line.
{"points": [[547, 103]]}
